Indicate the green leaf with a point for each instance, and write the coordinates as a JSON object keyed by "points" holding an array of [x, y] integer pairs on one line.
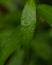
{"points": [[28, 20], [28, 23], [16, 58], [9, 45], [45, 11]]}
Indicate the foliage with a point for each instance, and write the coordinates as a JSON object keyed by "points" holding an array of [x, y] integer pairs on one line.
{"points": [[25, 32]]}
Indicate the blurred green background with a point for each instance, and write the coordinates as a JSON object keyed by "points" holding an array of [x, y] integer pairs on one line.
{"points": [[25, 32]]}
